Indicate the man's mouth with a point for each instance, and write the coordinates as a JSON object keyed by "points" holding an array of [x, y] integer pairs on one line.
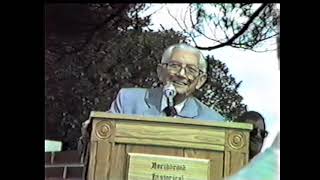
{"points": [[256, 140], [180, 83]]}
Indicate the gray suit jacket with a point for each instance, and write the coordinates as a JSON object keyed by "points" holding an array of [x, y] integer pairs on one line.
{"points": [[147, 102]]}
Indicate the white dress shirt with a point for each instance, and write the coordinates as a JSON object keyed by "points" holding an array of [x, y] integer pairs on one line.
{"points": [[178, 107]]}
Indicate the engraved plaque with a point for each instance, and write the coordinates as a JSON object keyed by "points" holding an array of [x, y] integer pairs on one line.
{"points": [[159, 167]]}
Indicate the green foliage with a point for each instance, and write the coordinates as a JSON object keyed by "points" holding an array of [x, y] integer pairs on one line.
{"points": [[220, 91]]}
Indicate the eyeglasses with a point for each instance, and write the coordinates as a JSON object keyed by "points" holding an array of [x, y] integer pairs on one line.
{"points": [[256, 131], [191, 70]]}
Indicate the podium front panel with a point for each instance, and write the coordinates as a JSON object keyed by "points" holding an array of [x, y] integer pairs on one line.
{"points": [[115, 140]]}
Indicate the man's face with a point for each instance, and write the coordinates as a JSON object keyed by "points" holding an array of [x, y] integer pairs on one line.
{"points": [[183, 71], [257, 136]]}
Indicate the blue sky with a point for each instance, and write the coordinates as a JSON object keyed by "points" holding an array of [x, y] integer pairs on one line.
{"points": [[259, 71]]}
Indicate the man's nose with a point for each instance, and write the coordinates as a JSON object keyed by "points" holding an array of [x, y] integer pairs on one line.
{"points": [[182, 72], [259, 134]]}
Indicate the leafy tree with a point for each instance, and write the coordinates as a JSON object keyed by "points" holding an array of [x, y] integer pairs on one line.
{"points": [[71, 30], [220, 91]]}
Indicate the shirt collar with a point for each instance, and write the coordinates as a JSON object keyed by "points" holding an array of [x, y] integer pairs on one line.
{"points": [[178, 107]]}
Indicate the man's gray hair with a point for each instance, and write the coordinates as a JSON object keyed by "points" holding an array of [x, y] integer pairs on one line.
{"points": [[185, 47]]}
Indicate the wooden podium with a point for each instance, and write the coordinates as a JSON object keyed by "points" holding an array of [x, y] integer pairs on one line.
{"points": [[131, 147]]}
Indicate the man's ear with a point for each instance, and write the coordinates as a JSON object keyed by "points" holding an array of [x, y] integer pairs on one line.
{"points": [[201, 81]]}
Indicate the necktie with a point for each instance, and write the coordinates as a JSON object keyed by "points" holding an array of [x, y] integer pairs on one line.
{"points": [[170, 111]]}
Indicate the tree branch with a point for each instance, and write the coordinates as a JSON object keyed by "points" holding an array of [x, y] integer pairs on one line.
{"points": [[208, 37], [243, 29], [184, 18], [174, 18], [183, 29], [152, 13], [213, 32], [197, 30], [190, 15], [238, 45]]}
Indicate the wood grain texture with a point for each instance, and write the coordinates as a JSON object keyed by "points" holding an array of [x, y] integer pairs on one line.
{"points": [[236, 151], [114, 136], [92, 160], [237, 162], [234, 161], [174, 144], [148, 149], [118, 162], [227, 165], [215, 157], [175, 135], [105, 115], [237, 140], [103, 129], [103, 160]]}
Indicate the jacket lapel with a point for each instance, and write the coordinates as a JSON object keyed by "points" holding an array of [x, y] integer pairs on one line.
{"points": [[153, 101], [190, 108]]}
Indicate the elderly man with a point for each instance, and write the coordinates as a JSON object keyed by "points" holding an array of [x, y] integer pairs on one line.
{"points": [[184, 68]]}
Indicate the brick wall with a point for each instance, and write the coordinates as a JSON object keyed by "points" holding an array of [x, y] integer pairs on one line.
{"points": [[65, 165]]}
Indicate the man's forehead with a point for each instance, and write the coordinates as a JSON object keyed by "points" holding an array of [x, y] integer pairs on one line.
{"points": [[256, 123], [185, 56]]}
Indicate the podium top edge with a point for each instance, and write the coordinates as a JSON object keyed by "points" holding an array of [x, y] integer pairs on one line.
{"points": [[226, 124]]}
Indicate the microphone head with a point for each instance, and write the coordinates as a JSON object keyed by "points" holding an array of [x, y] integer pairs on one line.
{"points": [[169, 90]]}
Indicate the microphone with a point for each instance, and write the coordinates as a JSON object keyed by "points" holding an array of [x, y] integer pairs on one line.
{"points": [[170, 92]]}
